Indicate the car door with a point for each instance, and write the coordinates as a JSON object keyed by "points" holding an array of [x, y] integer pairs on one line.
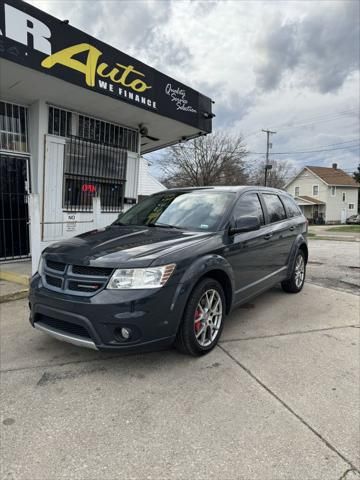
{"points": [[279, 233], [248, 252], [296, 220]]}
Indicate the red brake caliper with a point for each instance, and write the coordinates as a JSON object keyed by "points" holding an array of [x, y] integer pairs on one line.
{"points": [[197, 321]]}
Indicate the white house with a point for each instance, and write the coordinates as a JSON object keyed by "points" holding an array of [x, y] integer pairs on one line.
{"points": [[147, 183], [323, 193]]}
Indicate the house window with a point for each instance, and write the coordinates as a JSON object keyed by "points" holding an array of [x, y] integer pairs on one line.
{"points": [[343, 196], [315, 190], [333, 191], [297, 191], [351, 206]]}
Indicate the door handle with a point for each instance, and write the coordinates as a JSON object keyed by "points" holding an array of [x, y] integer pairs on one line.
{"points": [[292, 228], [268, 236]]}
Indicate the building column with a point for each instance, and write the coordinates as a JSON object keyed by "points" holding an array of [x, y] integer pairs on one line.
{"points": [[38, 125]]}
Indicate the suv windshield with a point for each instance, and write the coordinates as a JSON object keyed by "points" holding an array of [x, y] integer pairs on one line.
{"points": [[197, 210]]}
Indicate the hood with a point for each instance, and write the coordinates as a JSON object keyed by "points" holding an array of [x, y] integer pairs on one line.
{"points": [[129, 246]]}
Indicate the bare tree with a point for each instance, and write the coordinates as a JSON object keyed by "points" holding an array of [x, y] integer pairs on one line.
{"points": [[217, 159], [280, 173]]}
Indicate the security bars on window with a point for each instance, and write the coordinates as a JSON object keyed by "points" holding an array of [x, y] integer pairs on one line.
{"points": [[93, 169], [13, 128], [65, 123]]}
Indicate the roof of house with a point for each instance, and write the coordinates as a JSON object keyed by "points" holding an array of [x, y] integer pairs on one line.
{"points": [[147, 183], [310, 200], [333, 176]]}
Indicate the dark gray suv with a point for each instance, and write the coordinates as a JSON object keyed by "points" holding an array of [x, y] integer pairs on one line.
{"points": [[170, 269]]}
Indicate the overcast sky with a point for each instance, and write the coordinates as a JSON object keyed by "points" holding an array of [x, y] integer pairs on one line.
{"points": [[290, 66]]}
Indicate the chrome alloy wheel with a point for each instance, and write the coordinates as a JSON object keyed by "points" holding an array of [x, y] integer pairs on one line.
{"points": [[299, 271], [208, 317]]}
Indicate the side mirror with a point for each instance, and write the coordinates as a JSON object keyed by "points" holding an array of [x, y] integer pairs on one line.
{"points": [[245, 224]]}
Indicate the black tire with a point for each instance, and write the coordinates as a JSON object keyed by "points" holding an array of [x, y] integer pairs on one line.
{"points": [[186, 341], [294, 284]]}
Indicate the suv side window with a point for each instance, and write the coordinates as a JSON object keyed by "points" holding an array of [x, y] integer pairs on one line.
{"points": [[291, 207], [274, 207], [249, 205]]}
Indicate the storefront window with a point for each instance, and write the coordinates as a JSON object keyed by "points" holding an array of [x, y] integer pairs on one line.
{"points": [[60, 122], [13, 128], [65, 123], [92, 169]]}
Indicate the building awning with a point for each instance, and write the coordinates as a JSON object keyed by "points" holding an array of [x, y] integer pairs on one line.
{"points": [[42, 57], [304, 200]]}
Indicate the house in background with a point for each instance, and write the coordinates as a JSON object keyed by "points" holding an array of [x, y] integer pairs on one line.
{"points": [[147, 183], [325, 195]]}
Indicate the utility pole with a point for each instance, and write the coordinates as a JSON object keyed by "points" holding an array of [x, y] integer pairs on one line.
{"points": [[267, 166]]}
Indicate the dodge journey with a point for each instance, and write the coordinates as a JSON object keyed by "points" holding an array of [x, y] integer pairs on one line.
{"points": [[169, 270]]}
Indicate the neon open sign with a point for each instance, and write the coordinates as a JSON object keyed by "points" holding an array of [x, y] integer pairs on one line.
{"points": [[88, 187]]}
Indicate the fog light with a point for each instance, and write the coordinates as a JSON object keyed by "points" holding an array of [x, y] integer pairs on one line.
{"points": [[125, 333]]}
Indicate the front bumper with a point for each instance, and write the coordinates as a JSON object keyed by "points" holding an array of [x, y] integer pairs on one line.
{"points": [[152, 316]]}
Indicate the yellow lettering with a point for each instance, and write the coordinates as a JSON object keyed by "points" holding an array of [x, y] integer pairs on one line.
{"points": [[137, 85], [90, 68], [65, 57], [101, 70]]}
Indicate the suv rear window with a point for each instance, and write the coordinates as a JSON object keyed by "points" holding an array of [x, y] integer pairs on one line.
{"points": [[274, 207], [292, 209]]}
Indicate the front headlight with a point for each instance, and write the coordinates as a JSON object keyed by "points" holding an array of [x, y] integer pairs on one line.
{"points": [[140, 278]]}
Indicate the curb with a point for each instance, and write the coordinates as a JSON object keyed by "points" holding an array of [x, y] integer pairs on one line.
{"points": [[15, 278], [10, 297], [337, 239]]}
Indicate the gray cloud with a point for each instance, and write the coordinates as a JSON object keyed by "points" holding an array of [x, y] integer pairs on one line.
{"points": [[278, 46], [162, 51], [233, 109], [323, 48]]}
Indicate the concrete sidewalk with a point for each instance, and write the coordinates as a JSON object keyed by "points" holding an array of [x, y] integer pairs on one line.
{"points": [[278, 399], [14, 280]]}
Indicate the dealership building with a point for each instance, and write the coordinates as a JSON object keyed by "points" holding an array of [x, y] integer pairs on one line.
{"points": [[76, 115]]}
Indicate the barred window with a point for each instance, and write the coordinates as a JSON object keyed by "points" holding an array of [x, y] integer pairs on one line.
{"points": [[106, 132], [13, 128], [65, 123], [59, 122], [93, 169]]}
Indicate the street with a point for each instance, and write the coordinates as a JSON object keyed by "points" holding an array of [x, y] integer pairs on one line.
{"points": [[277, 399], [334, 264]]}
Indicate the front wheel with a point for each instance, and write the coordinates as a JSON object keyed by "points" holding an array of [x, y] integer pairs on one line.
{"points": [[203, 318], [295, 283]]}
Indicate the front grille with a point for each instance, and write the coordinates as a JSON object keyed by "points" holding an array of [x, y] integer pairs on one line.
{"points": [[60, 267], [91, 271], [54, 281], [63, 326], [82, 280], [79, 286]]}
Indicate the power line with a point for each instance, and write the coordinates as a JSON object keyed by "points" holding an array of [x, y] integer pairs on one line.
{"points": [[307, 151], [285, 126]]}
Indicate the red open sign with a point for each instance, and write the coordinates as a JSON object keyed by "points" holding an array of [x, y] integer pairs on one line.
{"points": [[88, 187]]}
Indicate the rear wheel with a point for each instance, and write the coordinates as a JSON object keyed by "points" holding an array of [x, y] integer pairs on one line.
{"points": [[295, 283], [203, 318]]}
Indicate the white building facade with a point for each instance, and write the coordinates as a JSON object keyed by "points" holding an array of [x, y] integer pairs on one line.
{"points": [[75, 117]]}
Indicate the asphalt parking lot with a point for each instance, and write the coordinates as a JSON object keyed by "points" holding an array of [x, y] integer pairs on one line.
{"points": [[334, 264], [278, 399]]}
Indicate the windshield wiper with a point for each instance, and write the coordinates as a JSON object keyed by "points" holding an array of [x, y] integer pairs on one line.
{"points": [[162, 225]]}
